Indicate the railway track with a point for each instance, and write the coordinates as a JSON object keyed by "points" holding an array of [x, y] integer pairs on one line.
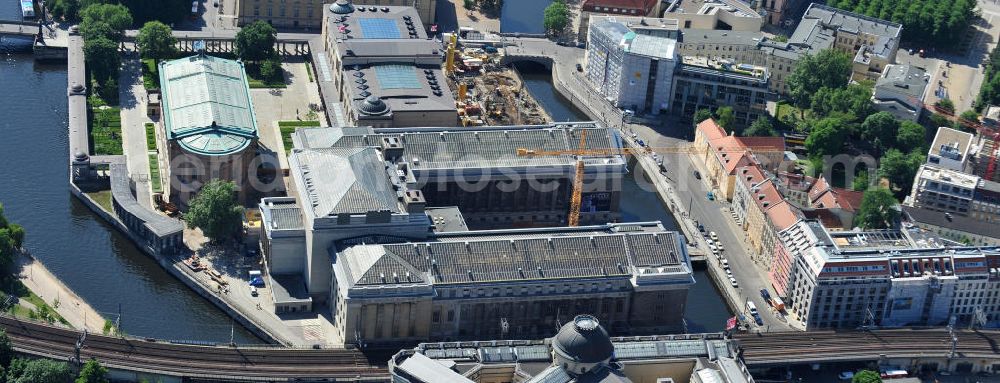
{"points": [[866, 345], [193, 360]]}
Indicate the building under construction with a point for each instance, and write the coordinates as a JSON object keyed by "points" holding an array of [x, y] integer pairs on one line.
{"points": [[489, 93]]}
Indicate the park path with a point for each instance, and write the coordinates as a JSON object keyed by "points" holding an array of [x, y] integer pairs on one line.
{"points": [[43, 283]]}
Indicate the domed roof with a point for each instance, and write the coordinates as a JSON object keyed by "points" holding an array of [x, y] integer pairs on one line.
{"points": [[584, 340], [373, 106], [342, 7], [80, 156]]}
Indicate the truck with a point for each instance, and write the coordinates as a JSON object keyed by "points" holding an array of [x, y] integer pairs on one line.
{"points": [[778, 304]]}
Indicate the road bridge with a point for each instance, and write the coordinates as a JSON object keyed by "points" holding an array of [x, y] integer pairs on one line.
{"points": [[187, 361], [917, 346]]}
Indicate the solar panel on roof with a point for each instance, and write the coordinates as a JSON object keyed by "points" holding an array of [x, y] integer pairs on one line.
{"points": [[379, 28], [395, 76]]}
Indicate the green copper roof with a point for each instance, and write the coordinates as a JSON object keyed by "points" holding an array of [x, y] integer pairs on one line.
{"points": [[206, 105]]}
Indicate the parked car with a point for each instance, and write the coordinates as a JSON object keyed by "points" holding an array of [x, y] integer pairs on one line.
{"points": [[757, 319], [725, 263], [715, 237], [846, 375], [579, 68], [732, 281], [581, 44], [253, 291], [697, 175], [715, 250], [701, 228], [729, 273]]}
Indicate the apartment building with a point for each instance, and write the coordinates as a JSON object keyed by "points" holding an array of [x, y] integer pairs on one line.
{"points": [[900, 91], [762, 213], [723, 154], [952, 149], [631, 61], [308, 14], [733, 15], [635, 8], [708, 83], [871, 42]]}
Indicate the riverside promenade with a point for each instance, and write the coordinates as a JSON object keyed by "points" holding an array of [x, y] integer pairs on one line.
{"points": [[37, 278]]}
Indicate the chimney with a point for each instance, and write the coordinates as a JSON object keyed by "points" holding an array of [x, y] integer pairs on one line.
{"points": [[415, 202], [392, 148]]}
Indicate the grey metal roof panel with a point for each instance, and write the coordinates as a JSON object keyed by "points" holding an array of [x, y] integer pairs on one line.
{"points": [[344, 180], [121, 191], [653, 46]]}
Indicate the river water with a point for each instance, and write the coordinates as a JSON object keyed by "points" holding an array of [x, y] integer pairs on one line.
{"points": [[91, 257]]}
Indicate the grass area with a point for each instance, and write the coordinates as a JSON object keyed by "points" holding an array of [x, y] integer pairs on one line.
{"points": [[42, 310], [150, 74], [309, 71], [255, 79], [154, 173], [151, 137], [103, 198], [783, 109], [288, 127], [106, 130]]}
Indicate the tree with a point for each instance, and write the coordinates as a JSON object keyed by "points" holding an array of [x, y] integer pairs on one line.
{"points": [[556, 17], [117, 18], [861, 181], [726, 118], [911, 136], [969, 115], [93, 372], [68, 10], [270, 70], [156, 41], [39, 371], [6, 349], [761, 127], [102, 58], [255, 42], [900, 168], [828, 68], [826, 138], [879, 130], [469, 4], [215, 210], [946, 104], [11, 239], [854, 100], [877, 211], [866, 376], [701, 115]]}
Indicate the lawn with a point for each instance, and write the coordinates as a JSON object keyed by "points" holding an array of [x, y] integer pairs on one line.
{"points": [[151, 137], [150, 74], [154, 173], [103, 198], [255, 80], [106, 130], [41, 311], [309, 71], [288, 127]]}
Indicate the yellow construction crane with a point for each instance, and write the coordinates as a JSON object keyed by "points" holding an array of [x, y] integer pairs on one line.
{"points": [[576, 199]]}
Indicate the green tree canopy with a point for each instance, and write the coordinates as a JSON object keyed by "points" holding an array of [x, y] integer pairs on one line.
{"points": [[879, 131], [946, 104], [939, 23], [877, 210], [11, 240], [827, 138], [861, 181], [92, 372], [102, 57], [761, 127], [156, 41], [215, 210], [726, 118], [556, 17], [854, 100], [911, 136], [115, 17], [39, 371], [829, 68], [866, 376], [900, 168], [255, 42], [64, 9], [6, 349], [701, 115]]}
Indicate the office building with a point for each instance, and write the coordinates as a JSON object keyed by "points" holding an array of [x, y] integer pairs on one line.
{"points": [[636, 8], [952, 149], [358, 182], [387, 71], [706, 83], [631, 63], [210, 125], [900, 91], [872, 43], [733, 15], [889, 278], [308, 14], [510, 283], [580, 352]]}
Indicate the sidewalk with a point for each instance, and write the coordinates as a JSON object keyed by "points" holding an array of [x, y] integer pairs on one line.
{"points": [[74, 309]]}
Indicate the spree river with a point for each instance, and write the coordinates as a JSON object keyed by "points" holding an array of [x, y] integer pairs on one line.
{"points": [[90, 256]]}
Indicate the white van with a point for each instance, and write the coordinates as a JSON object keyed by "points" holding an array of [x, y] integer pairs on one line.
{"points": [[752, 308]]}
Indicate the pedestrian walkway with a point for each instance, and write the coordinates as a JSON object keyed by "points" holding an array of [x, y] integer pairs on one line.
{"points": [[70, 306], [132, 100]]}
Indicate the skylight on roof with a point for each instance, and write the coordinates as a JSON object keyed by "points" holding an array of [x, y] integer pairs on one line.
{"points": [[395, 76], [379, 28]]}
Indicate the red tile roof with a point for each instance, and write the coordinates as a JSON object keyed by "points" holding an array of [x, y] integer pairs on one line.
{"points": [[763, 143], [711, 130], [783, 215]]}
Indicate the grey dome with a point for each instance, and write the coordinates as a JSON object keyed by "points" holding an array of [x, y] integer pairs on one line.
{"points": [[373, 106], [80, 156], [584, 340], [342, 7]]}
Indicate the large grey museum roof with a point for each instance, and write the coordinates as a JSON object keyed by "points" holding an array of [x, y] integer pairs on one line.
{"points": [[342, 181], [402, 86], [375, 22], [532, 258], [713, 36], [206, 104], [481, 147]]}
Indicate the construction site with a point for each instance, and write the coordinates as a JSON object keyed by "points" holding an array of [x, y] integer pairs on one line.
{"points": [[489, 93]]}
